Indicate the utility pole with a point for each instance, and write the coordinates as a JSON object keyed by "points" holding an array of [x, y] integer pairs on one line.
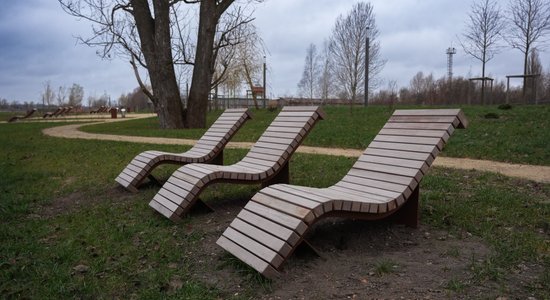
{"points": [[367, 50], [265, 87]]}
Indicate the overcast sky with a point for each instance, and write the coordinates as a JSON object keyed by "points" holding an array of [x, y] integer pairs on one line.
{"points": [[37, 44]]}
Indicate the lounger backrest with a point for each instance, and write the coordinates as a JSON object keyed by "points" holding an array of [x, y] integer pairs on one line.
{"points": [[29, 113], [223, 129], [401, 153], [283, 136]]}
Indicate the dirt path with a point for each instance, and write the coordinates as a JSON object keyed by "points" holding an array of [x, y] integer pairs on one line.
{"points": [[531, 172]]}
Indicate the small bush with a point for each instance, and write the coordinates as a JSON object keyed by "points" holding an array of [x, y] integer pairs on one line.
{"points": [[505, 106]]}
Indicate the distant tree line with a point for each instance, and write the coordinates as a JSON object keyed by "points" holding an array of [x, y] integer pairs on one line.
{"points": [[337, 71]]}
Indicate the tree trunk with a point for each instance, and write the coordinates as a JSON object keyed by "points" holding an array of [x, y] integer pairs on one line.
{"points": [[154, 34], [483, 80], [197, 103], [525, 62]]}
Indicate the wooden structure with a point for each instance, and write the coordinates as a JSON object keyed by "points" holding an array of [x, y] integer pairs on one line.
{"points": [[27, 115], [56, 113], [267, 163], [208, 149], [383, 183]]}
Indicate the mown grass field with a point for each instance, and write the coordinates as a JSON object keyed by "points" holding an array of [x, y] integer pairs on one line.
{"points": [[519, 135], [68, 231]]}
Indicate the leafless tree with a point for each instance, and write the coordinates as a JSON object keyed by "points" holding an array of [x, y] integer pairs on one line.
{"points": [[311, 73], [61, 95], [325, 84], [483, 31], [48, 95], [247, 59], [146, 32], [534, 67], [529, 24], [76, 94], [348, 48], [239, 55]]}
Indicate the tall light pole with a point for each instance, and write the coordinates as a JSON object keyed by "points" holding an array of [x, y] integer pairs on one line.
{"points": [[265, 88], [367, 50]]}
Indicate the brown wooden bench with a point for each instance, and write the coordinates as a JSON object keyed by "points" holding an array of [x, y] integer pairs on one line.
{"points": [[384, 182], [208, 149], [28, 114], [266, 162]]}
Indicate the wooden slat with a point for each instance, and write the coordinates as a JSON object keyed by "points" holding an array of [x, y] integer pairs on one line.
{"points": [[426, 112], [278, 217], [427, 157], [247, 257], [405, 147], [424, 119], [415, 164], [389, 169], [429, 126], [381, 176], [294, 210], [253, 246], [416, 132], [275, 229], [410, 140], [272, 242]]}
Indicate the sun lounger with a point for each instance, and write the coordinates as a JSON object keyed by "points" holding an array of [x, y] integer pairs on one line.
{"points": [[53, 114], [209, 149], [67, 111], [383, 183], [28, 114], [266, 162]]}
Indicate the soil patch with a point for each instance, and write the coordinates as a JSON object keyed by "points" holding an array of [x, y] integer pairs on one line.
{"points": [[77, 201], [359, 260]]}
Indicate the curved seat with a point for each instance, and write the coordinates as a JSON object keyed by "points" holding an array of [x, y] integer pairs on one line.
{"points": [[266, 162], [384, 182], [27, 115], [52, 114], [208, 149]]}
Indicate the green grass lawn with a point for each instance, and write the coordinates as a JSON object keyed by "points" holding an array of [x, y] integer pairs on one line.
{"points": [[4, 115], [67, 231], [519, 135]]}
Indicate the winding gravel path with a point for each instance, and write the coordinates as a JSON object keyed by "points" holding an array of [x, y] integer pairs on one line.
{"points": [[531, 172]]}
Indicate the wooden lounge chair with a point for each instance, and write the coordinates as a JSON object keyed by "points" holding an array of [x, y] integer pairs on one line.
{"points": [[52, 114], [383, 182], [28, 114], [266, 162], [209, 149]]}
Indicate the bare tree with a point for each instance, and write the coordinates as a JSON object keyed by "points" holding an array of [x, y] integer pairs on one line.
{"points": [[76, 94], [534, 67], [239, 56], [325, 85], [248, 60], [311, 73], [144, 32], [48, 95], [483, 31], [61, 95], [529, 23], [348, 48]]}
